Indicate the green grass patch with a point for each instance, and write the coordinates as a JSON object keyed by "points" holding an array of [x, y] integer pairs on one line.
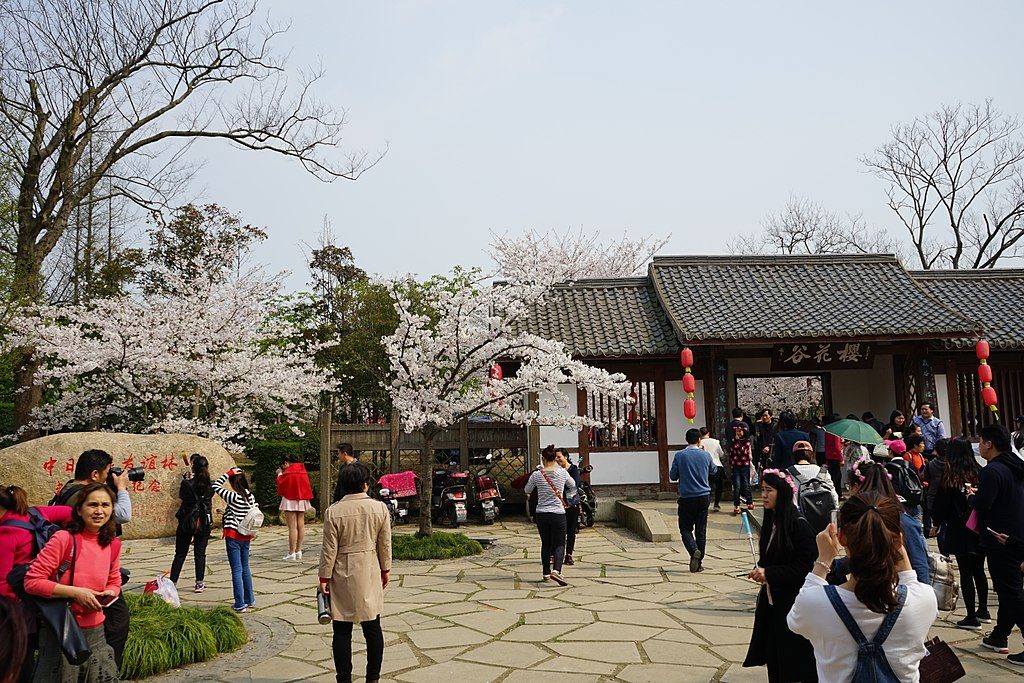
{"points": [[437, 546], [162, 637]]}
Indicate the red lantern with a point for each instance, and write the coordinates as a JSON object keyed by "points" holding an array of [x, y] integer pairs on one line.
{"points": [[981, 349], [686, 357], [689, 383], [988, 395], [985, 373], [496, 372], [690, 409]]}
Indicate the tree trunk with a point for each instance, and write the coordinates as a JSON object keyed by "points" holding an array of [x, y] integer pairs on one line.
{"points": [[26, 289], [427, 478]]}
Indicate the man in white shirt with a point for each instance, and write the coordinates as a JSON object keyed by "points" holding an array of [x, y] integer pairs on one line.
{"points": [[714, 448]]}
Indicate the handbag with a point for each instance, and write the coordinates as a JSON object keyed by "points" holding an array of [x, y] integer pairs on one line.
{"points": [[972, 521], [56, 614], [941, 664]]}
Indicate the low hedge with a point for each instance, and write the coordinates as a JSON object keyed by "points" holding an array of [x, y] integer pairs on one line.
{"points": [[162, 637], [438, 546], [267, 456]]}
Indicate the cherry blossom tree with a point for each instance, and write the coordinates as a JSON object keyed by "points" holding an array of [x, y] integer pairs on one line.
{"points": [[575, 254], [453, 330], [201, 355]]}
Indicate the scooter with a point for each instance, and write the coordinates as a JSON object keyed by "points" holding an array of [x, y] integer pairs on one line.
{"points": [[448, 495], [487, 499], [588, 499], [398, 492]]}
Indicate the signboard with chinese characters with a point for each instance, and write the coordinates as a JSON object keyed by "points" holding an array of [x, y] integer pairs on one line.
{"points": [[814, 356]]}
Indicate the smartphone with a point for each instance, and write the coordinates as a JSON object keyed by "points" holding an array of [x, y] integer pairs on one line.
{"points": [[835, 518], [107, 600]]}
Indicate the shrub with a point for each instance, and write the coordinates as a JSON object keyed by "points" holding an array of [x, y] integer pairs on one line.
{"points": [[309, 442], [6, 418], [437, 546], [162, 637], [268, 455]]}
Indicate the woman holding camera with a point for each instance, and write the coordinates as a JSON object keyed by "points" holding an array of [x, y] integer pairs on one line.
{"points": [[295, 491], [195, 518], [90, 551], [233, 487]]}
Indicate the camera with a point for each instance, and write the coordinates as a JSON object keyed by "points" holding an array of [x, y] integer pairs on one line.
{"points": [[134, 473]]}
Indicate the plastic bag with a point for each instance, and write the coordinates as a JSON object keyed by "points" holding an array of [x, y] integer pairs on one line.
{"points": [[164, 588]]}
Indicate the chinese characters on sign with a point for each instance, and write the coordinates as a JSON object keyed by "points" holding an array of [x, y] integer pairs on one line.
{"points": [[814, 356]]}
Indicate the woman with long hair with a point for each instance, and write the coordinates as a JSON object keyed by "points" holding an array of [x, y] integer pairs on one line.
{"points": [[17, 546], [897, 423], [787, 552], [950, 511], [549, 482], [1017, 438], [881, 592], [295, 491], [195, 519], [233, 487], [91, 551], [572, 512]]}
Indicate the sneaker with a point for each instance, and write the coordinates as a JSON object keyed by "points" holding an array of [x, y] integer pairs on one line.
{"points": [[239, 610], [984, 617], [556, 576], [700, 569], [695, 561], [250, 606], [298, 555], [750, 506], [200, 587], [716, 509], [735, 511], [997, 645], [569, 561], [1017, 659], [288, 557], [969, 624]]}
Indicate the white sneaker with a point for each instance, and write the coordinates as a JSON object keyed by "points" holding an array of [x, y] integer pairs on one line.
{"points": [[288, 557], [298, 555]]}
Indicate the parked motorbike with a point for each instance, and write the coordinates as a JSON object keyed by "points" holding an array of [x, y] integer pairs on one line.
{"points": [[486, 496], [448, 495], [398, 492], [588, 499]]}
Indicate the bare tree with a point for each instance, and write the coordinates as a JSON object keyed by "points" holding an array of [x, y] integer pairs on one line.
{"points": [[806, 227], [956, 182], [582, 254], [135, 81]]}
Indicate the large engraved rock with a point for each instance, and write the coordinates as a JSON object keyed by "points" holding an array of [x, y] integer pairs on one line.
{"points": [[43, 465]]}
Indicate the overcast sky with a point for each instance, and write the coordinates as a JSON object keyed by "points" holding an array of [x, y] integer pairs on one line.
{"points": [[693, 119]]}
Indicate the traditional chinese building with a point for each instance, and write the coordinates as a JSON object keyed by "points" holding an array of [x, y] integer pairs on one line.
{"points": [[870, 334]]}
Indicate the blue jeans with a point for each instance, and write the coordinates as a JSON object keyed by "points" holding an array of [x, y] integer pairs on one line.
{"points": [[241, 578], [741, 485]]}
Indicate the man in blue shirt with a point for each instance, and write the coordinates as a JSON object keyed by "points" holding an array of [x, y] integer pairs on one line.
{"points": [[692, 467], [932, 428]]}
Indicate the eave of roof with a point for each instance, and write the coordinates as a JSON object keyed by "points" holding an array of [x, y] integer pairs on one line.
{"points": [[994, 296]]}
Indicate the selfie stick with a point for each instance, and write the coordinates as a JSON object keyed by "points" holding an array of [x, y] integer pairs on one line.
{"points": [[750, 536]]}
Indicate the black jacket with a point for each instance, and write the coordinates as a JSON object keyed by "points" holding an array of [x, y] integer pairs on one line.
{"points": [[950, 509], [1000, 499], [933, 472], [195, 511], [772, 643]]}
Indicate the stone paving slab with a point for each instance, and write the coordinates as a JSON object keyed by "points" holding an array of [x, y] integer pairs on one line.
{"points": [[633, 613]]}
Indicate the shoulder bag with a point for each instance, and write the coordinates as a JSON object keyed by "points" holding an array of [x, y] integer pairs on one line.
{"points": [[554, 488], [56, 614]]}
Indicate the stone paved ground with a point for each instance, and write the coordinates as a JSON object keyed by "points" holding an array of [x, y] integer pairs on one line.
{"points": [[633, 613]]}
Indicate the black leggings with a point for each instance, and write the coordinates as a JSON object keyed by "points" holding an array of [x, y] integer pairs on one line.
{"points": [[972, 575], [572, 517], [342, 646], [551, 526], [182, 540]]}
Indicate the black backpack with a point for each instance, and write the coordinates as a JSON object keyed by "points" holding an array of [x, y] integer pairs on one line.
{"points": [[905, 481], [814, 498], [67, 492], [42, 530]]}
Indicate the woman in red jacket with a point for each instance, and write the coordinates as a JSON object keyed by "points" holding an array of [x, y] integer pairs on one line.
{"points": [[92, 581], [17, 547], [295, 491]]}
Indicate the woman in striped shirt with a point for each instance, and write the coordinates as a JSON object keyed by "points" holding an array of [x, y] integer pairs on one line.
{"points": [[549, 482], [240, 500]]}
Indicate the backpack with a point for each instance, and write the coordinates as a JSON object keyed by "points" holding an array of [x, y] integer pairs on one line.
{"points": [[872, 666], [67, 492], [814, 498], [252, 521], [905, 481], [944, 581], [42, 531]]}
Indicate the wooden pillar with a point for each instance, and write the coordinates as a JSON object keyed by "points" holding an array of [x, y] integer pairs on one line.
{"points": [[661, 411], [926, 392], [583, 441], [396, 436], [532, 433], [954, 419], [325, 420]]}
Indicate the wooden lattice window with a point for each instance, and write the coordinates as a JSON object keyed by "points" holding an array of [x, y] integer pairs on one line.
{"points": [[625, 427]]}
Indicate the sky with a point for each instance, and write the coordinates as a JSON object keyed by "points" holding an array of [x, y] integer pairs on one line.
{"points": [[652, 118]]}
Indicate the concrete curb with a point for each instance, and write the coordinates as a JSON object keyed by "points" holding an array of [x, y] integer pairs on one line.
{"points": [[648, 524]]}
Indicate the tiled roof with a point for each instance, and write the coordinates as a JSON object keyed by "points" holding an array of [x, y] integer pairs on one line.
{"points": [[607, 317], [720, 298], [995, 298]]}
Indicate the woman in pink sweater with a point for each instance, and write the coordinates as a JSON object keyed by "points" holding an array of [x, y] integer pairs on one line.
{"points": [[91, 551]]}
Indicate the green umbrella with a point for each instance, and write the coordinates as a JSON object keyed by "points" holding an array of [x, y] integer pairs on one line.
{"points": [[854, 430]]}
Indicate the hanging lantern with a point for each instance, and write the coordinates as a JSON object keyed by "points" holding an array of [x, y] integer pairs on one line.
{"points": [[981, 349], [988, 395], [690, 409], [689, 383], [496, 372], [985, 373], [686, 357]]}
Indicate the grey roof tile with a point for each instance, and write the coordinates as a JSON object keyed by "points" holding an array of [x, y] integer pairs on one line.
{"points": [[995, 298]]}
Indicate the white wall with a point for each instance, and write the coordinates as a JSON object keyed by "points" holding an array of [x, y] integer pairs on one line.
{"points": [[639, 467], [942, 398], [676, 422], [565, 437]]}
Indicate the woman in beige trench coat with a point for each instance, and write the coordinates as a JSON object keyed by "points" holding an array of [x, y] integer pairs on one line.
{"points": [[355, 565]]}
